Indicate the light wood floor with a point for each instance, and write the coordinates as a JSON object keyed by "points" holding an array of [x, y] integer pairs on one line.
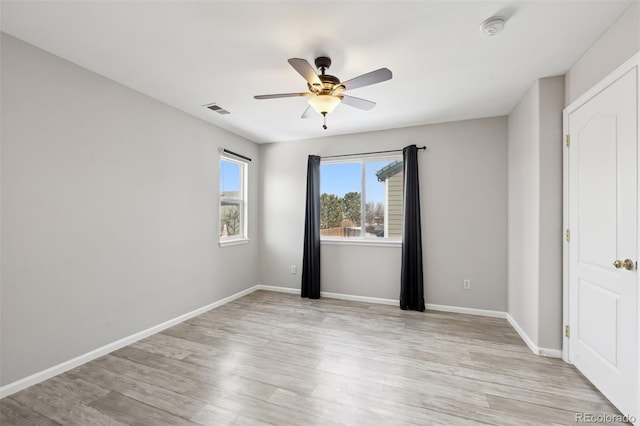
{"points": [[274, 358]]}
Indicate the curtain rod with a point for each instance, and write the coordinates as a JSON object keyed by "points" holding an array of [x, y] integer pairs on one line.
{"points": [[226, 151], [367, 153]]}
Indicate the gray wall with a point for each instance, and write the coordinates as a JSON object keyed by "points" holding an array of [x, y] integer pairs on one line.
{"points": [[550, 212], [612, 49], [108, 212], [463, 178], [535, 213], [523, 254]]}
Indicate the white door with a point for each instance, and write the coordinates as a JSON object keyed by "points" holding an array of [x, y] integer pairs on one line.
{"points": [[602, 221]]}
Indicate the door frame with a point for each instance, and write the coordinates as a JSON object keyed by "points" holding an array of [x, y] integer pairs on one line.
{"points": [[631, 63]]}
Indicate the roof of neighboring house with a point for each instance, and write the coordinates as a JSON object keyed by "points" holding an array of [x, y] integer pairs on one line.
{"points": [[389, 170]]}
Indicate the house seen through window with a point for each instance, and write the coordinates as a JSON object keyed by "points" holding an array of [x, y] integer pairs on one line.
{"points": [[233, 205], [362, 198]]}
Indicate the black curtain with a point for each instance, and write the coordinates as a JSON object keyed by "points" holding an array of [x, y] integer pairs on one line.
{"points": [[411, 287], [311, 257]]}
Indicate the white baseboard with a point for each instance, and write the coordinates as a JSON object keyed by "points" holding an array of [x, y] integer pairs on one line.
{"points": [[278, 289], [354, 298], [43, 375], [329, 295], [394, 302], [552, 353], [468, 311]]}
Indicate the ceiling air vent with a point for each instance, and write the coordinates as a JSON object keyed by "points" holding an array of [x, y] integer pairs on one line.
{"points": [[217, 108]]}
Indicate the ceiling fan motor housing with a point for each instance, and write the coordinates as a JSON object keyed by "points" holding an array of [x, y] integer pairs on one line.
{"points": [[330, 84]]}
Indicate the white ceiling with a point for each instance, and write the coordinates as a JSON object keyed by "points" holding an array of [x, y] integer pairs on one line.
{"points": [[191, 53]]}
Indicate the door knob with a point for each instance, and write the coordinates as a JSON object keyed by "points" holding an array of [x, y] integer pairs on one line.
{"points": [[627, 264]]}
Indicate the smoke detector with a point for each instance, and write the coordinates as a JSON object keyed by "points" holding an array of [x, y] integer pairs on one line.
{"points": [[492, 26]]}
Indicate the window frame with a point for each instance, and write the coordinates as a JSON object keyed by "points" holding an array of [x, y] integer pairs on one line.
{"points": [[362, 240], [242, 201]]}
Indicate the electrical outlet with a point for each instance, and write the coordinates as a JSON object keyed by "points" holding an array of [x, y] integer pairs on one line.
{"points": [[466, 284], [294, 269]]}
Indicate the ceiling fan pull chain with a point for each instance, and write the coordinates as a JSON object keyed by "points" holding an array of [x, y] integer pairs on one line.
{"points": [[324, 116]]}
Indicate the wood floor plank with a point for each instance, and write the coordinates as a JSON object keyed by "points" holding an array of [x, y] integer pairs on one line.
{"points": [[60, 408], [276, 359], [188, 345], [211, 415], [409, 406], [265, 411], [232, 386], [194, 373], [79, 389], [14, 413], [132, 412], [152, 345], [155, 396], [336, 412], [162, 378], [545, 415]]}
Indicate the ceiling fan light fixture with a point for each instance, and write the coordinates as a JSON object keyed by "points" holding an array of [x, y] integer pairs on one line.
{"points": [[324, 104]]}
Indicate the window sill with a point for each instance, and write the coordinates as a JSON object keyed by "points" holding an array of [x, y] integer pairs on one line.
{"points": [[236, 242], [359, 242]]}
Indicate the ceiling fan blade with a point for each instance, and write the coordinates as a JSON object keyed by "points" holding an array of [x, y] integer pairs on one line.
{"points": [[373, 77], [282, 95], [305, 70], [307, 112], [359, 103]]}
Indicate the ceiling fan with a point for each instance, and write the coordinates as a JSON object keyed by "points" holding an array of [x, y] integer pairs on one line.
{"points": [[326, 91]]}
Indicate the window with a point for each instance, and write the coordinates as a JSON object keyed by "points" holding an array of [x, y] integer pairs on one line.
{"points": [[233, 201], [343, 187]]}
